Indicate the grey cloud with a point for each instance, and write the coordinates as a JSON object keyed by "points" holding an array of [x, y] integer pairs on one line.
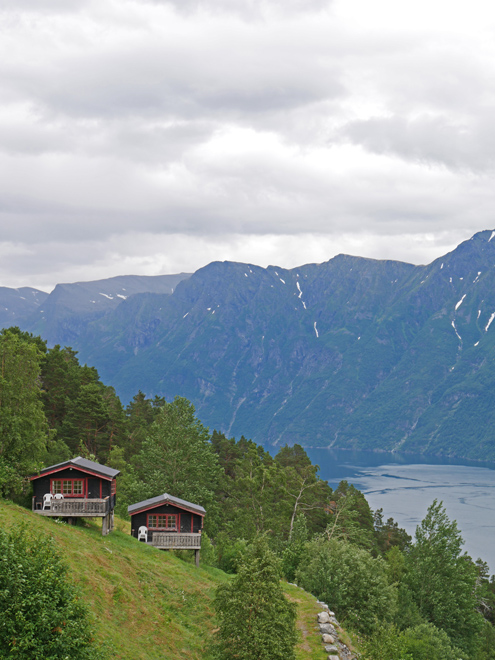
{"points": [[248, 195], [226, 70], [433, 140], [132, 139], [215, 118], [167, 84]]}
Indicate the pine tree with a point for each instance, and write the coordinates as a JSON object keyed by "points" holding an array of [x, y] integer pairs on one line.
{"points": [[256, 620]]}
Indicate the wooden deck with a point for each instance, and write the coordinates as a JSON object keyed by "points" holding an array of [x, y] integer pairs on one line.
{"points": [[73, 508], [169, 541]]}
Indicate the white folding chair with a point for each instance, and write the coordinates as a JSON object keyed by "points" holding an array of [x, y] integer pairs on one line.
{"points": [[47, 501], [143, 533]]}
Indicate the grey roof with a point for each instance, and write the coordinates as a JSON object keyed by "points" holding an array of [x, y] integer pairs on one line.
{"points": [[85, 464], [163, 499]]}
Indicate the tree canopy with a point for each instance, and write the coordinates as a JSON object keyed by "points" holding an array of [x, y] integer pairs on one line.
{"points": [[23, 426]]}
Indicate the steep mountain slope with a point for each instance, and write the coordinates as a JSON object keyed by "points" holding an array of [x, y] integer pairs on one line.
{"points": [[70, 307], [17, 305], [352, 353]]}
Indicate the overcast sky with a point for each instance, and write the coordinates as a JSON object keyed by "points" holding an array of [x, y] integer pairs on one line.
{"points": [[153, 136]]}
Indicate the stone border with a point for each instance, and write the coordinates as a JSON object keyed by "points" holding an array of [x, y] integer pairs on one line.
{"points": [[328, 625]]}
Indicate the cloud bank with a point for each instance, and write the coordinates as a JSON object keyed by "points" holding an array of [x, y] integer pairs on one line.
{"points": [[153, 136]]}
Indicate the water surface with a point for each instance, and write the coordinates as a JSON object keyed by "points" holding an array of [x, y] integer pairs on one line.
{"points": [[405, 485]]}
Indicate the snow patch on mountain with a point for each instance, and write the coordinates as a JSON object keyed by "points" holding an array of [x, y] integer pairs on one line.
{"points": [[490, 321]]}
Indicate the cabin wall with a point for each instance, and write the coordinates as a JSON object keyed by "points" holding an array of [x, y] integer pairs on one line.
{"points": [[97, 487], [188, 522]]}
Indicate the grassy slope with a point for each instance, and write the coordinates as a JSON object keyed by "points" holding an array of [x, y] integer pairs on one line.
{"points": [[146, 603]]}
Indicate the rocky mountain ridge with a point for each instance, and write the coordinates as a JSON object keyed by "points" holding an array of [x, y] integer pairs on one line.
{"points": [[352, 353]]}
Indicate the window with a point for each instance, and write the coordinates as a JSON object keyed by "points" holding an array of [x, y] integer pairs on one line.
{"points": [[68, 487], [164, 521], [114, 486]]}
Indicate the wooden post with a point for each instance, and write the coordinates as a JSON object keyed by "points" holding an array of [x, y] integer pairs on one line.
{"points": [[196, 556], [104, 525]]}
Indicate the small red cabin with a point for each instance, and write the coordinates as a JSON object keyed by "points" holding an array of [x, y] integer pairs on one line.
{"points": [[167, 522], [78, 488]]}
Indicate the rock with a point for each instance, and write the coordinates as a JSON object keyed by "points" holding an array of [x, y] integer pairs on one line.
{"points": [[327, 639], [333, 657], [323, 617], [331, 649], [327, 628]]}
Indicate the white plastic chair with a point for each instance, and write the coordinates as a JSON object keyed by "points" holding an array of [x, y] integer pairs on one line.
{"points": [[47, 501], [58, 496], [143, 533]]}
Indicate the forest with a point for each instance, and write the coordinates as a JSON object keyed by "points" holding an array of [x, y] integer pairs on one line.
{"points": [[405, 598]]}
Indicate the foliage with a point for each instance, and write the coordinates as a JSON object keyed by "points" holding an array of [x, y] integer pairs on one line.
{"points": [[349, 580], [386, 643], [388, 534], [261, 494], [486, 587], [352, 518], [43, 616], [427, 642], [443, 583], [256, 620], [304, 491], [208, 551], [141, 413], [422, 642], [177, 458], [23, 428], [486, 649], [230, 553], [86, 416], [294, 551]]}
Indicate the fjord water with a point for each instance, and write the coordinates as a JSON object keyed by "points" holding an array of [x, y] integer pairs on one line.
{"points": [[405, 485]]}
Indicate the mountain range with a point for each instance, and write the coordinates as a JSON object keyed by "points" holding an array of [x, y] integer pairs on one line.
{"points": [[352, 353]]}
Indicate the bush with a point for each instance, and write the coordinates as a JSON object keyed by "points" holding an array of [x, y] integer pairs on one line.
{"points": [[42, 617], [350, 580], [230, 553], [423, 642], [386, 643], [427, 642], [208, 553]]}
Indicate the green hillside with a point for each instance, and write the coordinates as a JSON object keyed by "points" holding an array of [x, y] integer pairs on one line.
{"points": [[145, 603]]}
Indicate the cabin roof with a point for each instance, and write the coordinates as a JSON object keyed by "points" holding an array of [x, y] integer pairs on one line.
{"points": [[82, 464], [164, 499]]}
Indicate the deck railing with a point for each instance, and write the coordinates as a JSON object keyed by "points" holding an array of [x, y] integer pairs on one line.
{"points": [[169, 541], [77, 507]]}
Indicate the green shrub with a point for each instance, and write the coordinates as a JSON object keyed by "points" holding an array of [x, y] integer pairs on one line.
{"points": [[42, 616], [423, 642], [427, 642], [386, 643]]}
